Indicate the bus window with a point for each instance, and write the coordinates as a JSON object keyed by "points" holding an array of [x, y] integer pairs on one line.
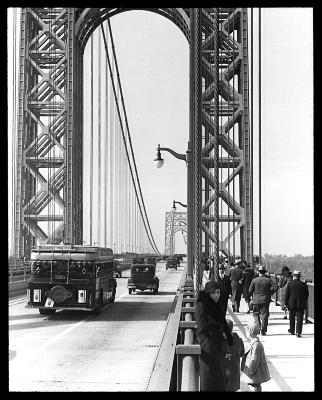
{"points": [[40, 269]]}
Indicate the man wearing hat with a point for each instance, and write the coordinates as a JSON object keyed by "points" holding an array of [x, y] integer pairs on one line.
{"points": [[296, 295], [261, 288], [225, 287], [236, 275], [227, 267]]}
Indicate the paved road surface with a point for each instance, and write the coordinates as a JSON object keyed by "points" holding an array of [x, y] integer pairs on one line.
{"points": [[77, 351]]}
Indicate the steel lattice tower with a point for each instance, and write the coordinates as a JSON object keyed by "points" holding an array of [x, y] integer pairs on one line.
{"points": [[50, 106], [174, 222]]}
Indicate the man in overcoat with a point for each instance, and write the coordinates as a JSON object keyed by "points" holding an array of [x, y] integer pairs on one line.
{"points": [[261, 288], [248, 276], [236, 275], [225, 287], [296, 295]]}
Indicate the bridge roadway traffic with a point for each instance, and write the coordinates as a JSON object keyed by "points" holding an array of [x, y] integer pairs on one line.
{"points": [[78, 351]]}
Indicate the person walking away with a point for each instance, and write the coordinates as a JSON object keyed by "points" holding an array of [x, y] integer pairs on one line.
{"points": [[286, 276], [225, 287], [232, 360], [296, 295], [236, 275], [211, 264], [248, 276], [254, 364], [213, 335], [227, 267], [261, 288]]}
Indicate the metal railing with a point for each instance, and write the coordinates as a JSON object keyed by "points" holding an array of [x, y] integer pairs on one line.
{"points": [[188, 351]]}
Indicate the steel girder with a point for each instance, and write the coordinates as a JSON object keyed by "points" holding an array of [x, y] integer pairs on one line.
{"points": [[174, 222], [50, 86]]}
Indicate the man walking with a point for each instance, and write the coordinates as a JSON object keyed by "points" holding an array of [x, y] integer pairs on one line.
{"points": [[261, 288], [227, 267], [296, 295], [248, 276], [236, 275], [225, 287]]}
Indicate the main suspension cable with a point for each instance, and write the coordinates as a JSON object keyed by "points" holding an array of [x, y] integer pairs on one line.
{"points": [[128, 129], [151, 239]]}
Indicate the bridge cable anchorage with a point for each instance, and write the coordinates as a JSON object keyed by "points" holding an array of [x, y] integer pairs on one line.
{"points": [[148, 231]]}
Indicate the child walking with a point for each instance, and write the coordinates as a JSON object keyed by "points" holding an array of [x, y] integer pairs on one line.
{"points": [[232, 361], [254, 364]]}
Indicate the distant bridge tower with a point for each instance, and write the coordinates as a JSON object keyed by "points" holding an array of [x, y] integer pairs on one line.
{"points": [[174, 222]]}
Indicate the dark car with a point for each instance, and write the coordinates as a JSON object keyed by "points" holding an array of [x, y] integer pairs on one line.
{"points": [[143, 278], [117, 272], [172, 263], [151, 260]]}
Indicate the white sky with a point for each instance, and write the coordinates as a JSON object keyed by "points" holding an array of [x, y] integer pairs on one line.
{"points": [[153, 57]]}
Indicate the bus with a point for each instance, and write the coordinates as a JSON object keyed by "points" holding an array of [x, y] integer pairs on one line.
{"points": [[72, 277]]}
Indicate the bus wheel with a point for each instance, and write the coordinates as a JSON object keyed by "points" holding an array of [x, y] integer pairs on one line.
{"points": [[46, 311], [130, 291]]}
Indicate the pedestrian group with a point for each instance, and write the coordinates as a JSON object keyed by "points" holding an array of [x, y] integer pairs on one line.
{"points": [[223, 355]]}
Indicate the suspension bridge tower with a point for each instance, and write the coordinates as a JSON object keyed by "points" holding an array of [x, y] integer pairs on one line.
{"points": [[49, 151]]}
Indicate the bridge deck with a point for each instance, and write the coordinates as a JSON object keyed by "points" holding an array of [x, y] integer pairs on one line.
{"points": [[290, 359]]}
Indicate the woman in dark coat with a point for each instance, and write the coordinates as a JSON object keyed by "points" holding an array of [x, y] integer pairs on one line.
{"points": [[285, 277], [213, 336]]}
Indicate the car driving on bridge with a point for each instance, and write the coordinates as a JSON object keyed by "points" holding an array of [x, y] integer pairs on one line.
{"points": [[172, 262], [143, 277]]}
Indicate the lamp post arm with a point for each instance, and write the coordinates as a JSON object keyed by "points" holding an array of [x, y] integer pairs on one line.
{"points": [[175, 154], [183, 205]]}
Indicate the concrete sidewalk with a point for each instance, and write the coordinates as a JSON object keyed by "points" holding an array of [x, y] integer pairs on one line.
{"points": [[290, 359]]}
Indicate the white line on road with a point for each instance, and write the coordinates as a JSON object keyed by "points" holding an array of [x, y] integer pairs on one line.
{"points": [[71, 328]]}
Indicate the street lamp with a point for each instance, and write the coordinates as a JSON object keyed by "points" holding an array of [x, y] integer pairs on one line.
{"points": [[187, 158], [158, 161]]}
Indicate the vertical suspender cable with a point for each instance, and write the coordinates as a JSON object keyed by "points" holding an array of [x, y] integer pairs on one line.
{"points": [[106, 157], [99, 150], [146, 221], [251, 131], [234, 220], [259, 136], [91, 155], [13, 136]]}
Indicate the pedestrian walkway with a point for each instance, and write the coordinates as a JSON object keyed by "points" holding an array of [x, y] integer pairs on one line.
{"points": [[290, 359]]}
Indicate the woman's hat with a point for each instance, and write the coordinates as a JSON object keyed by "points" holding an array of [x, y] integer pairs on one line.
{"points": [[210, 286]]}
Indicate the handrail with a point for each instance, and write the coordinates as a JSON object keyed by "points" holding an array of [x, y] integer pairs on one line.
{"points": [[188, 352]]}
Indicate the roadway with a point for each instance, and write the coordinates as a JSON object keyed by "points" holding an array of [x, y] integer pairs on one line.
{"points": [[78, 351]]}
